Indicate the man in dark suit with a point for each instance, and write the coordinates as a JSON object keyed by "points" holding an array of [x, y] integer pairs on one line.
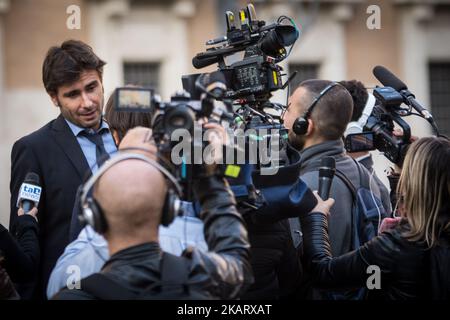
{"points": [[63, 151]]}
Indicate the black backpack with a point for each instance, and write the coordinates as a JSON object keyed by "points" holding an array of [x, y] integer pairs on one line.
{"points": [[367, 208], [172, 286]]}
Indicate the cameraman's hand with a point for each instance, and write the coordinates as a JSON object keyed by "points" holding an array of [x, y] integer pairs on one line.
{"points": [[398, 132], [139, 140], [322, 206], [33, 212], [217, 137]]}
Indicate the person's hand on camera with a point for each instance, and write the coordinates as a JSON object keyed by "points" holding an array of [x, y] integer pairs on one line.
{"points": [[139, 140], [323, 206], [33, 212], [217, 137], [398, 132]]}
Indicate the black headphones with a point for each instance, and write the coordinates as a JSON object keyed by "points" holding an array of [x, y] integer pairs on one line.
{"points": [[92, 213], [300, 126]]}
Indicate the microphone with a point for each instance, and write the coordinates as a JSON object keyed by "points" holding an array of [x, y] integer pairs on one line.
{"points": [[388, 79], [199, 62], [30, 192], [326, 174]]}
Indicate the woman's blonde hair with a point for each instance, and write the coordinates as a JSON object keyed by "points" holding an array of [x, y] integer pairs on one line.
{"points": [[424, 187]]}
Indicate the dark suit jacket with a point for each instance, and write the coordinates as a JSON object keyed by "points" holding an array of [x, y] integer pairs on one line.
{"points": [[54, 154]]}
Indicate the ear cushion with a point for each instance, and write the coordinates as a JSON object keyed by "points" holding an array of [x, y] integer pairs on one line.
{"points": [[93, 216], [300, 126], [171, 208]]}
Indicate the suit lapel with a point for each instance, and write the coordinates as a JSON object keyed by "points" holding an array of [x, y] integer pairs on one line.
{"points": [[68, 142]]}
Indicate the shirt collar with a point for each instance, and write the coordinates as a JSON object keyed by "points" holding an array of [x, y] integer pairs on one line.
{"points": [[77, 129]]}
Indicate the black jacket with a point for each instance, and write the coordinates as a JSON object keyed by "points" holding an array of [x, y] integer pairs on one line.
{"points": [[275, 261], [404, 265], [224, 272], [21, 251]]}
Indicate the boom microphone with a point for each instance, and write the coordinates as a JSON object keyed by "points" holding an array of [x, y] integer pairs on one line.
{"points": [[388, 79], [30, 192], [198, 62], [326, 174]]}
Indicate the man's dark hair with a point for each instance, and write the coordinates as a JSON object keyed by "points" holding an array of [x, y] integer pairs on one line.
{"points": [[359, 96], [122, 121], [64, 65], [333, 111]]}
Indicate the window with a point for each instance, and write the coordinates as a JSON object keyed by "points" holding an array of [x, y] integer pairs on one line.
{"points": [[144, 74], [439, 73], [305, 71]]}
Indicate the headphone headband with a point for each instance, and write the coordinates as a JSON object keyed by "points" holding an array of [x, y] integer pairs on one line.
{"points": [[122, 157], [321, 94], [300, 126]]}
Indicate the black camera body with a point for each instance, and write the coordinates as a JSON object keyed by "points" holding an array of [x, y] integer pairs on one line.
{"points": [[257, 75], [378, 131]]}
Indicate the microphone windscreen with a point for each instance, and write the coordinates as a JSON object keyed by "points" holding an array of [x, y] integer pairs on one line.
{"points": [[388, 79], [32, 178], [198, 62]]}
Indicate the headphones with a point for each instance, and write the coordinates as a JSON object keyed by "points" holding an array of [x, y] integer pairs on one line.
{"points": [[358, 126], [300, 126], [92, 213]]}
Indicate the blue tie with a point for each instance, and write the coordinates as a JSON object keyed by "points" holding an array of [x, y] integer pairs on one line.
{"points": [[96, 138]]}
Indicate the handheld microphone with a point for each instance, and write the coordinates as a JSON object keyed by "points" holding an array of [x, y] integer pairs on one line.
{"points": [[30, 192], [326, 174], [388, 79]]}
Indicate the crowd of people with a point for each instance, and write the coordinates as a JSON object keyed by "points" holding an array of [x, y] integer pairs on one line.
{"points": [[111, 208]]}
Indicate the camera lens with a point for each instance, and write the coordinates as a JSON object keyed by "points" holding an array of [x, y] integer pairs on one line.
{"points": [[278, 38], [179, 117]]}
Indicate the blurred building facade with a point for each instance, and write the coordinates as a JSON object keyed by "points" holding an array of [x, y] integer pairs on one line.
{"points": [[152, 42]]}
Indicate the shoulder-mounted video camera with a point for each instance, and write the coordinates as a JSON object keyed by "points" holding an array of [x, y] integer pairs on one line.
{"points": [[393, 102], [257, 74]]}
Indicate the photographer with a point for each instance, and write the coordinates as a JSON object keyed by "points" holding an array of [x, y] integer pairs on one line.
{"points": [[19, 254], [414, 255], [132, 211]]}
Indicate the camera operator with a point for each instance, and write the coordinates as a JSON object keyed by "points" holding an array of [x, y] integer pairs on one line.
{"points": [[363, 103], [414, 255], [19, 253], [131, 212], [316, 118]]}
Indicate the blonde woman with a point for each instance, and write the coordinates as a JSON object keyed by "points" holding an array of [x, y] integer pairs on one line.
{"points": [[412, 259]]}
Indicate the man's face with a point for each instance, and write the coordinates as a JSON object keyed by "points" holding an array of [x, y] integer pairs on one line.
{"points": [[82, 101], [298, 103]]}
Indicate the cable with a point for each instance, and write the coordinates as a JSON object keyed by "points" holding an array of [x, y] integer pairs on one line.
{"points": [[373, 198]]}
